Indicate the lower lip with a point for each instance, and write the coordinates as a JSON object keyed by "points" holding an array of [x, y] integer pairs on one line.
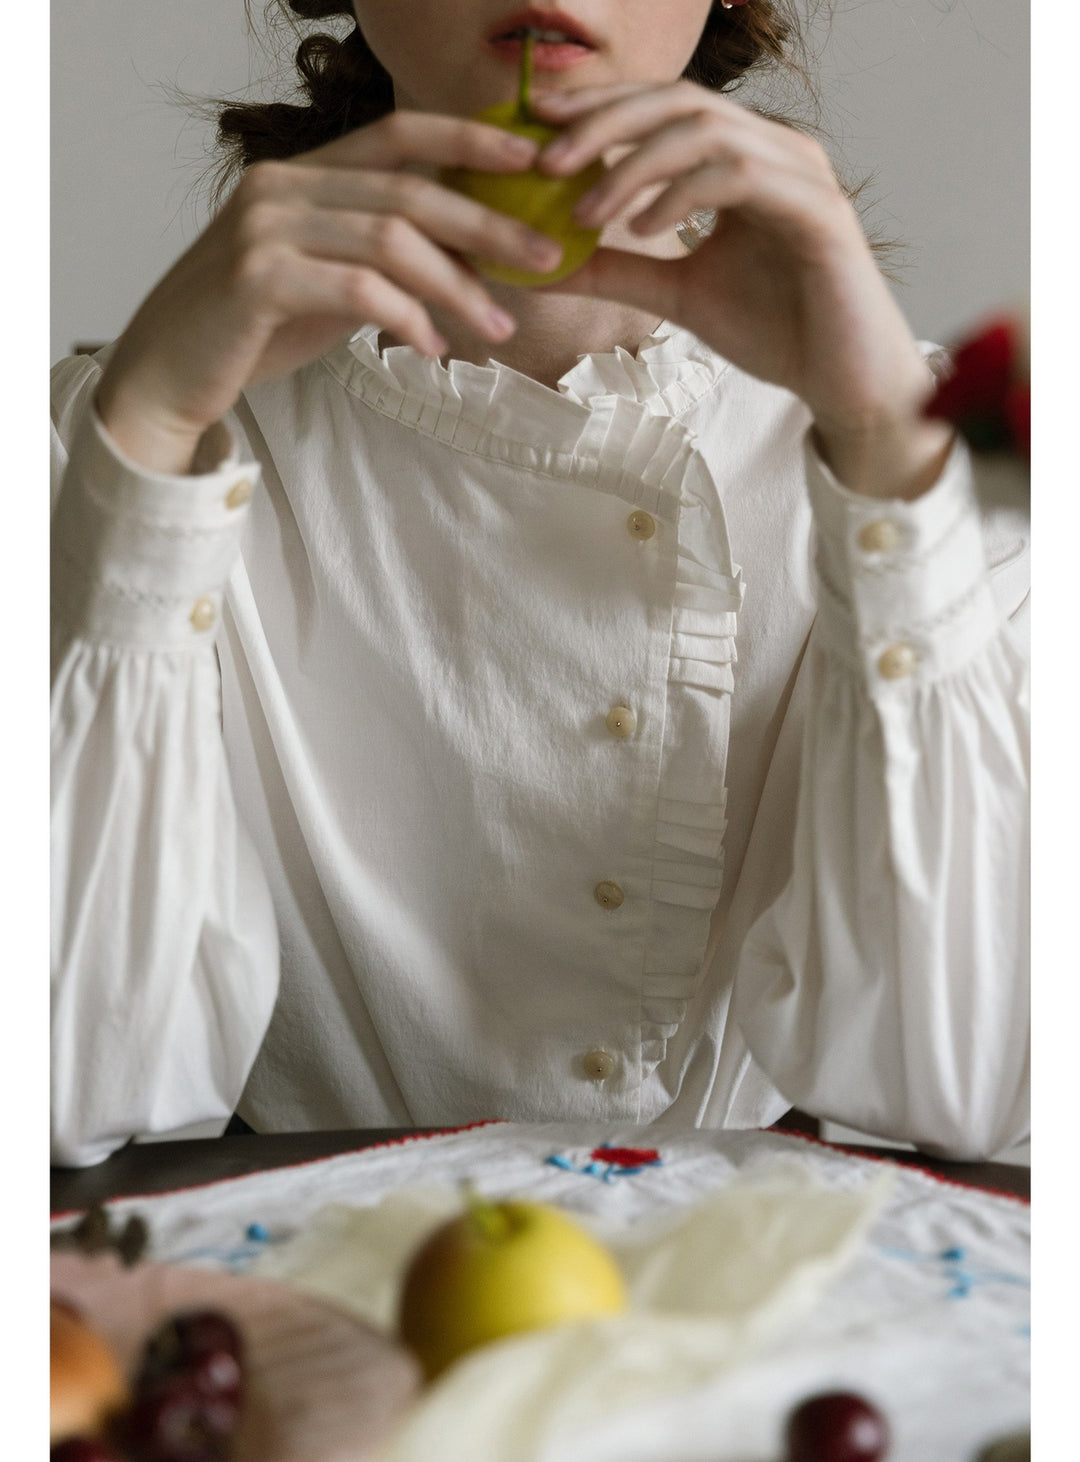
{"points": [[546, 55]]}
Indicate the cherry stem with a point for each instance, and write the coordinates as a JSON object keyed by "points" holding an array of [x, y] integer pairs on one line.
{"points": [[524, 110]]}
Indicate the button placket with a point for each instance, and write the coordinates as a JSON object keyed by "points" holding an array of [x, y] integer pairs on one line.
{"points": [[621, 723]]}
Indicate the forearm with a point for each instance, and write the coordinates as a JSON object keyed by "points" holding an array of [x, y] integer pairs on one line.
{"points": [[163, 961]]}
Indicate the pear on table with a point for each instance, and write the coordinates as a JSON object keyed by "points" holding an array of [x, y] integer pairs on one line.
{"points": [[501, 1269], [544, 203]]}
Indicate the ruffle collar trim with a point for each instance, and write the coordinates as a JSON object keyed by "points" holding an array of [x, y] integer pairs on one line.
{"points": [[670, 370]]}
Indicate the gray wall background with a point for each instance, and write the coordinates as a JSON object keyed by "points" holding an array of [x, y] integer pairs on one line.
{"points": [[929, 96]]}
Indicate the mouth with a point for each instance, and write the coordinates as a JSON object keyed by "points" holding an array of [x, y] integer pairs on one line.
{"points": [[552, 31]]}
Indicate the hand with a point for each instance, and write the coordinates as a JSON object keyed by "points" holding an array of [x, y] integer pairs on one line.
{"points": [[304, 252], [786, 286]]}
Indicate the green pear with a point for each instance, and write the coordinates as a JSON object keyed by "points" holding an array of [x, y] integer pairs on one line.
{"points": [[544, 203]]}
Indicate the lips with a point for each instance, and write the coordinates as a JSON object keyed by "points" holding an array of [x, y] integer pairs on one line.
{"points": [[551, 21]]}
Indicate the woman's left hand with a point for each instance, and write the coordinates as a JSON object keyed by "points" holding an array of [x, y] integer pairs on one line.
{"points": [[785, 287]]}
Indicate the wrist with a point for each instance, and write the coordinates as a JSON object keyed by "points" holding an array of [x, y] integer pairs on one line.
{"points": [[150, 437], [888, 457], [883, 446]]}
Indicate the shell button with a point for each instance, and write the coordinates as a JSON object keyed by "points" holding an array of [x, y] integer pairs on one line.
{"points": [[879, 536], [621, 722], [240, 493], [203, 613], [897, 662], [608, 895], [598, 1065]]}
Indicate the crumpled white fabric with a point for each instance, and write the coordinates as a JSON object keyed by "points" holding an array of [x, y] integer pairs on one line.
{"points": [[709, 1286]]}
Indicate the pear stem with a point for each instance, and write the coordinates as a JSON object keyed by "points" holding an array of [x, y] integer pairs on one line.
{"points": [[487, 1216], [524, 111]]}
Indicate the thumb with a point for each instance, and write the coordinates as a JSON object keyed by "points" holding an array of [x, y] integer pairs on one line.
{"points": [[632, 279]]}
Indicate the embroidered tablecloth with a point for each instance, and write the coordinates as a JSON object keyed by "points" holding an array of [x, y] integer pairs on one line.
{"points": [[928, 1315]]}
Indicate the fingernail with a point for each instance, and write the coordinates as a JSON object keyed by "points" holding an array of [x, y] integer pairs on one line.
{"points": [[557, 150], [544, 251], [588, 205], [500, 321], [525, 146]]}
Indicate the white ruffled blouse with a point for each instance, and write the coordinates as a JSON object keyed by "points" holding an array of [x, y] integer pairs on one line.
{"points": [[477, 767]]}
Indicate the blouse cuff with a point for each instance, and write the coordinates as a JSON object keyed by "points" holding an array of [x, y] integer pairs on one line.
{"points": [[141, 558], [904, 593]]}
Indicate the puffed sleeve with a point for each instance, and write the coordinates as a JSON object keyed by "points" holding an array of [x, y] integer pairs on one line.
{"points": [[886, 987], [163, 938]]}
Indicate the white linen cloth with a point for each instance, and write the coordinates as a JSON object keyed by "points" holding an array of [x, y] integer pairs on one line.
{"points": [[441, 586]]}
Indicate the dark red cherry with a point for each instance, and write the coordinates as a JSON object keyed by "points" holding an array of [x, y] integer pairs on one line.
{"points": [[83, 1449], [837, 1426], [185, 1339], [216, 1373], [174, 1422]]}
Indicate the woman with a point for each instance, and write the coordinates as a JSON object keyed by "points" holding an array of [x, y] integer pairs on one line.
{"points": [[474, 748]]}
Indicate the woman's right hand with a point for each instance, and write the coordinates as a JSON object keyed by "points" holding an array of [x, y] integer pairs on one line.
{"points": [[305, 251]]}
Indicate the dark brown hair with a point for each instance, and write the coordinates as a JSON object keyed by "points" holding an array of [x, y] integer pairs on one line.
{"points": [[342, 85]]}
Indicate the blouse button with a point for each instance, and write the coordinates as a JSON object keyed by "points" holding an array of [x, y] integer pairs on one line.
{"points": [[621, 722], [598, 1065], [897, 661], [240, 493], [879, 536], [203, 613], [608, 895], [642, 525]]}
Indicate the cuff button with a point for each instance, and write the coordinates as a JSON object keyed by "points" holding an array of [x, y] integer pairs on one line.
{"points": [[880, 536], [203, 613], [240, 493], [897, 662], [641, 525]]}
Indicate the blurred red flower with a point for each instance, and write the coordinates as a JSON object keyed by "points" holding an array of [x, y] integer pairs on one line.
{"points": [[987, 395]]}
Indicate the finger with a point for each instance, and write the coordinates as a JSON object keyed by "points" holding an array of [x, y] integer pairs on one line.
{"points": [[628, 119], [406, 257], [791, 204], [558, 104], [298, 286], [675, 149], [633, 279], [404, 137], [449, 217]]}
